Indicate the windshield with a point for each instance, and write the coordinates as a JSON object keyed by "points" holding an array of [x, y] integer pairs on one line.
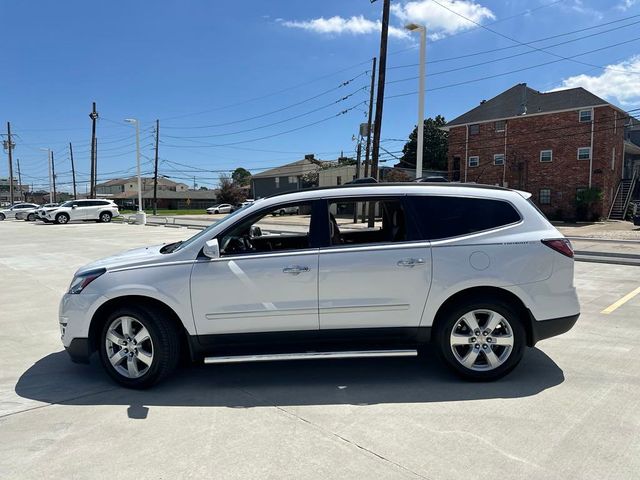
{"points": [[206, 231], [67, 204]]}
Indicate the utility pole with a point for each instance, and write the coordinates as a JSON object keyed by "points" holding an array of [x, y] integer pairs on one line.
{"points": [[368, 146], [94, 161], [53, 175], [155, 172], [73, 172], [9, 147], [382, 69], [20, 183], [358, 154]]}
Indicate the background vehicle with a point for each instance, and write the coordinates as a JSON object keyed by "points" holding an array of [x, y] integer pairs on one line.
{"points": [[286, 211], [221, 208], [31, 215], [18, 207], [636, 213], [477, 273], [86, 210], [431, 179]]}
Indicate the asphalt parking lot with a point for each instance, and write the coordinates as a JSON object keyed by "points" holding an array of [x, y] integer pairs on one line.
{"points": [[571, 410]]}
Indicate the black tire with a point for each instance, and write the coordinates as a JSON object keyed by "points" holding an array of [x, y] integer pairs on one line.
{"points": [[166, 346], [31, 217], [2, 217], [62, 219], [450, 319], [282, 212], [105, 217]]}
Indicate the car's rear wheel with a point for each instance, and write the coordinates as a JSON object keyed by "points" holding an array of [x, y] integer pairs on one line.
{"points": [[105, 217], [31, 217], [62, 218], [481, 340], [282, 212], [139, 346], [2, 217]]}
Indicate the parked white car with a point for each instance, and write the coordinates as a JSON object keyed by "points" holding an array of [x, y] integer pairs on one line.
{"points": [[16, 208], [478, 273], [222, 208], [96, 210]]}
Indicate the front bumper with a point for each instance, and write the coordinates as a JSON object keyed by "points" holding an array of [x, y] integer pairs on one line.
{"points": [[541, 329], [74, 316]]}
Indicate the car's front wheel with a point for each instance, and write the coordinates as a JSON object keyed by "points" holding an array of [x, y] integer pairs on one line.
{"points": [[62, 218], [2, 217], [139, 346], [31, 217], [481, 340]]}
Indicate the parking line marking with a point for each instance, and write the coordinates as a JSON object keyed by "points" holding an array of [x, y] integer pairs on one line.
{"points": [[614, 306]]}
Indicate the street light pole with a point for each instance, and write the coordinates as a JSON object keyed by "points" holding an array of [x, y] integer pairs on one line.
{"points": [[140, 215], [48, 150], [423, 60]]}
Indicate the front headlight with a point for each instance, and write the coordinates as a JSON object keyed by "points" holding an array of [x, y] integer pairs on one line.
{"points": [[80, 282]]}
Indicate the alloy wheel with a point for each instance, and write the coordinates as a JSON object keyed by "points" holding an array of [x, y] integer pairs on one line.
{"points": [[129, 347], [482, 340]]}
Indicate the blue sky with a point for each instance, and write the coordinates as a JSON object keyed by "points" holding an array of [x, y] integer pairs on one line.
{"points": [[263, 68]]}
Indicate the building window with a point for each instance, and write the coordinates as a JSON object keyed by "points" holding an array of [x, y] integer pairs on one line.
{"points": [[500, 125], [544, 196], [277, 179], [474, 161], [293, 179], [474, 129], [584, 153], [580, 192], [498, 159], [584, 115], [546, 155], [613, 159]]}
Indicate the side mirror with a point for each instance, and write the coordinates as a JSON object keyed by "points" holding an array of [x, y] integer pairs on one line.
{"points": [[212, 249], [73, 207]]}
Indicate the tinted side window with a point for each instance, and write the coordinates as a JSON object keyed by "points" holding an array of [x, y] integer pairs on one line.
{"points": [[444, 217]]}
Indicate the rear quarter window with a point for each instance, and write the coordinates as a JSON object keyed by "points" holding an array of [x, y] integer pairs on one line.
{"points": [[441, 217]]}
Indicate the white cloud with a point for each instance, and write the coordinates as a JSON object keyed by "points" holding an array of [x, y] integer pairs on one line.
{"points": [[626, 4], [356, 25], [619, 82], [439, 21]]}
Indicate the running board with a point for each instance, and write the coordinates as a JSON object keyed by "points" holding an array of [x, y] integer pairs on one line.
{"points": [[310, 356]]}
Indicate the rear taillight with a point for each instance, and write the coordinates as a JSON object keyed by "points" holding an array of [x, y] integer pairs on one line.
{"points": [[561, 245]]}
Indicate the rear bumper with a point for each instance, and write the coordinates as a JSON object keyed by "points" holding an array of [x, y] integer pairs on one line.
{"points": [[79, 350], [550, 328]]}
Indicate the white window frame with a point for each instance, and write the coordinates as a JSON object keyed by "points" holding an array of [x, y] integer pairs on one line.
{"points": [[587, 110], [277, 180], [476, 160], [584, 148], [293, 179], [550, 156], [498, 155], [504, 125]]}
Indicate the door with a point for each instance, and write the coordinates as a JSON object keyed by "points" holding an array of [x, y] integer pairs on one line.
{"points": [[266, 279], [375, 273], [78, 211]]}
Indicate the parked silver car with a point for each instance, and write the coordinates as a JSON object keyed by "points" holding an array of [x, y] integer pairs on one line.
{"points": [[17, 207], [31, 215]]}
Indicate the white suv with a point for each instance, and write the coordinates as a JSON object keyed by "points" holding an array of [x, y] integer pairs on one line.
{"points": [[476, 272], [87, 210]]}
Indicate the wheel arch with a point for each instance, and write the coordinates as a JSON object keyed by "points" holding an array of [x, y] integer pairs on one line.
{"points": [[484, 293], [102, 314]]}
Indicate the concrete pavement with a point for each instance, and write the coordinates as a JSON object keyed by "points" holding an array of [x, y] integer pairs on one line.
{"points": [[571, 410]]}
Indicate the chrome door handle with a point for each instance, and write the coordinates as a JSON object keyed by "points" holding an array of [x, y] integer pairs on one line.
{"points": [[295, 269], [410, 262]]}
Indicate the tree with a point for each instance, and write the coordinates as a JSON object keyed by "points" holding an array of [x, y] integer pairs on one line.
{"points": [[241, 176], [436, 146], [397, 175], [229, 191]]}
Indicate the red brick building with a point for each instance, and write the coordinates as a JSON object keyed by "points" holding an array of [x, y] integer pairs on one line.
{"points": [[550, 144]]}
